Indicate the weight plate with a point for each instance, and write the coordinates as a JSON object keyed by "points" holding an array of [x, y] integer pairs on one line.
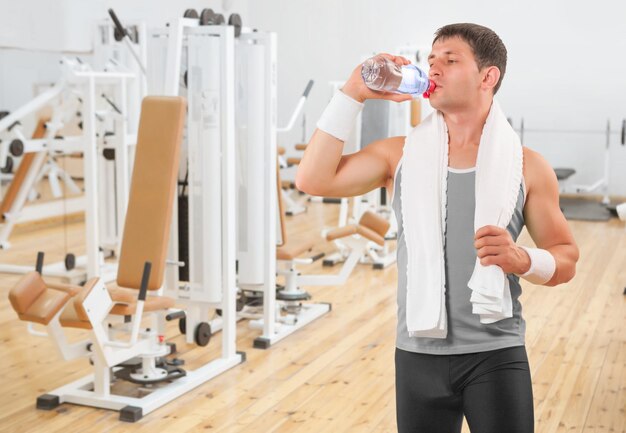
{"points": [[207, 17], [203, 334], [190, 13], [70, 261], [182, 325], [235, 20]]}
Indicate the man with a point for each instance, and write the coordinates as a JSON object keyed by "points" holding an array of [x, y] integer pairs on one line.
{"points": [[479, 369]]}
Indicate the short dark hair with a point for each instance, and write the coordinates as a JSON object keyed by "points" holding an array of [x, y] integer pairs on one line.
{"points": [[488, 48]]}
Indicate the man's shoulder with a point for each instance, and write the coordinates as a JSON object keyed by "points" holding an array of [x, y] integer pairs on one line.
{"points": [[537, 170]]}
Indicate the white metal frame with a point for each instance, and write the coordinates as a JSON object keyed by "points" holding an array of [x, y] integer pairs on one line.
{"points": [[105, 199], [80, 79]]}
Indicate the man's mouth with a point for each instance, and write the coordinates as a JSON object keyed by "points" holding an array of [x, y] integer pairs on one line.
{"points": [[433, 86]]}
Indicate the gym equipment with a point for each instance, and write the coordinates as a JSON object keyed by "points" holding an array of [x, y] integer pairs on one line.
{"points": [[288, 300], [583, 209], [88, 91], [143, 248], [106, 100], [294, 207], [235, 21], [207, 17], [203, 234], [356, 237]]}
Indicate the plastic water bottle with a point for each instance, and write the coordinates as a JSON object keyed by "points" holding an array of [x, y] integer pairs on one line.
{"points": [[382, 74]]}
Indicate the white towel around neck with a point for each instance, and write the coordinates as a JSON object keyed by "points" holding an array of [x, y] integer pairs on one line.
{"points": [[424, 193]]}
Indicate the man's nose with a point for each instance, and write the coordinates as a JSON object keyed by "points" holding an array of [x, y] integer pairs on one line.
{"points": [[434, 71]]}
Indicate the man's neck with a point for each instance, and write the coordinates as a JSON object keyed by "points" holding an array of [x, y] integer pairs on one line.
{"points": [[465, 127]]}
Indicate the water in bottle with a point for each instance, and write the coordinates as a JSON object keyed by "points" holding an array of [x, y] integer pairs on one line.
{"points": [[382, 74]]}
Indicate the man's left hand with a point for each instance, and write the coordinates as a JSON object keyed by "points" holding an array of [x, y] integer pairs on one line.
{"points": [[495, 246]]}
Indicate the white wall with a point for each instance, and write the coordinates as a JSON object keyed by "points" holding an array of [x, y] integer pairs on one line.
{"points": [[35, 33], [566, 67]]}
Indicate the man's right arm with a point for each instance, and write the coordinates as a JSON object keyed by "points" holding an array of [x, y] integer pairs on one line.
{"points": [[325, 171]]}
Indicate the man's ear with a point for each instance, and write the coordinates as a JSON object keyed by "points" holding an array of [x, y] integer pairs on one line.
{"points": [[491, 75]]}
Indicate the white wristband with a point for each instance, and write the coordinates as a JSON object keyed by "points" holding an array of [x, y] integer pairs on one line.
{"points": [[542, 265], [339, 116]]}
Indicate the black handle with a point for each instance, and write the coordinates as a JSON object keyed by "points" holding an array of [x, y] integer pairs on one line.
{"points": [[623, 132], [176, 315], [318, 256], [147, 267], [308, 88], [39, 265], [117, 22]]}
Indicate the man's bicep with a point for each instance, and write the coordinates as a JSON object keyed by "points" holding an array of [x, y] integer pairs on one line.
{"points": [[359, 173], [546, 223], [363, 171]]}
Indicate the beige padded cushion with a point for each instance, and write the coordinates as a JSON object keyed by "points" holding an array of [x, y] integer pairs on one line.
{"points": [[26, 291], [281, 209], [69, 318], [416, 112], [152, 191], [371, 226], [353, 229], [294, 248], [374, 222], [33, 302], [70, 289], [22, 170], [74, 314], [126, 300], [45, 307]]}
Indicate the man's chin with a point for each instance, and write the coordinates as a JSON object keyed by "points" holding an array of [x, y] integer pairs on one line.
{"points": [[435, 103]]}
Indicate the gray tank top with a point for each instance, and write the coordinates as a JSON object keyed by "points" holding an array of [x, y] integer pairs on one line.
{"points": [[465, 332]]}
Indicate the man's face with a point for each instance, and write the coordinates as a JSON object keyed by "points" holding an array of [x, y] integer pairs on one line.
{"points": [[454, 70]]}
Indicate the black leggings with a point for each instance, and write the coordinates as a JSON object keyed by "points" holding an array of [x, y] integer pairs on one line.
{"points": [[492, 389]]}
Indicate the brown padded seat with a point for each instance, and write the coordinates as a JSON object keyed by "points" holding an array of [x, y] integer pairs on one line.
{"points": [[70, 289], [293, 161], [70, 319], [149, 213], [374, 222], [416, 112], [371, 226], [152, 191], [34, 302], [294, 248], [281, 150], [22, 170], [74, 315], [301, 146], [127, 302]]}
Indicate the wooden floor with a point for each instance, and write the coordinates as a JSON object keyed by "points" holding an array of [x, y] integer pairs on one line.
{"points": [[337, 374]]}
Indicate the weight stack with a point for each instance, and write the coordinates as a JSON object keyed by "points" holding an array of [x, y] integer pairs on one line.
{"points": [[183, 237]]}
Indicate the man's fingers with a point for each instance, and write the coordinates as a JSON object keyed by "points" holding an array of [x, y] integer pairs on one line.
{"points": [[491, 240], [488, 231], [401, 98], [490, 251]]}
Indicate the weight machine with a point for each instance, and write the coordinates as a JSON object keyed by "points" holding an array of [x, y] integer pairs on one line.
{"points": [[101, 97]]}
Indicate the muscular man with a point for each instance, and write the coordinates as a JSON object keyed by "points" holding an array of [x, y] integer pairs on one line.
{"points": [[478, 370]]}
